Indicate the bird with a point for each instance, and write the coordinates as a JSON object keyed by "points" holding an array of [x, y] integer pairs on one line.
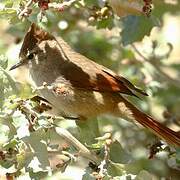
{"points": [[78, 87]]}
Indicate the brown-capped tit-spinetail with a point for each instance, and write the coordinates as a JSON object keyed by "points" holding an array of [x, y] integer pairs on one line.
{"points": [[80, 87]]}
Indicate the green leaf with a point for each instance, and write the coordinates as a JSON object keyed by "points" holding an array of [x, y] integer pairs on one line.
{"points": [[178, 156], [11, 81], [163, 7], [176, 66], [37, 150], [11, 144], [118, 154], [91, 2], [20, 158], [7, 12], [144, 175], [6, 164], [135, 28], [105, 23], [9, 4], [3, 61], [4, 132], [115, 169], [88, 130], [88, 175], [12, 130], [38, 175], [2, 90]]}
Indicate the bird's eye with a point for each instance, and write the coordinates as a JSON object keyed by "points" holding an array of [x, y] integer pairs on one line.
{"points": [[30, 56]]}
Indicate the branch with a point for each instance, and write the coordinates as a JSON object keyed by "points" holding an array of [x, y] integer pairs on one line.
{"points": [[26, 11], [170, 80], [61, 6], [73, 141]]}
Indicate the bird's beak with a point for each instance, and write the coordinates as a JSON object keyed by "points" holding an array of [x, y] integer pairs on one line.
{"points": [[20, 63]]}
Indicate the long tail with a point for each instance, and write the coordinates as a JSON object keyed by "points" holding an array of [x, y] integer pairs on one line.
{"points": [[157, 128]]}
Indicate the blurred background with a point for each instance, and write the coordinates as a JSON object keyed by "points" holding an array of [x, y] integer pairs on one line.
{"points": [[151, 63]]}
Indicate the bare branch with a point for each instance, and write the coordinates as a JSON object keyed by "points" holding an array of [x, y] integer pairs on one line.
{"points": [[61, 6], [26, 11], [83, 151], [170, 80]]}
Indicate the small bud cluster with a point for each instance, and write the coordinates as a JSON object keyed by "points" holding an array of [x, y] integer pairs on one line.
{"points": [[98, 13], [147, 8]]}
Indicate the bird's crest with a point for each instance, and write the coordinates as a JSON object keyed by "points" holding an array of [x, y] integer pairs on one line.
{"points": [[33, 37]]}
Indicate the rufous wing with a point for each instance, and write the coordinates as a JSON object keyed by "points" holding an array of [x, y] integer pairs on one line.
{"points": [[86, 74]]}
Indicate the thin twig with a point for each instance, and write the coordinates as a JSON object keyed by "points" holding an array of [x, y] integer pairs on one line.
{"points": [[170, 80], [8, 9], [26, 11], [61, 6], [139, 53]]}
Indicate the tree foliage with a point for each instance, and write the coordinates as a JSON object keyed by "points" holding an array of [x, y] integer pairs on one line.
{"points": [[35, 145]]}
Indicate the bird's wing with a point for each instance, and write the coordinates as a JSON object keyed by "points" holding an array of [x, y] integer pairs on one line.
{"points": [[83, 73], [125, 81]]}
